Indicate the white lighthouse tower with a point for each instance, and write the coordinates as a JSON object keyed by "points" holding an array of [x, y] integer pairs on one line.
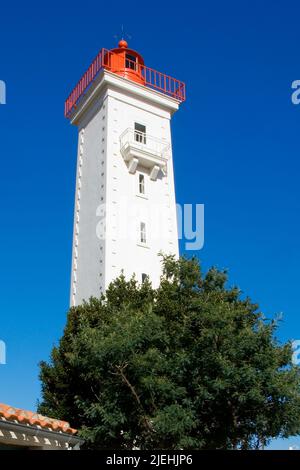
{"points": [[125, 210]]}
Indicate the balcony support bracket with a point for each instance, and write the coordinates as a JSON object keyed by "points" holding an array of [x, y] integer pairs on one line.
{"points": [[154, 172], [132, 165]]}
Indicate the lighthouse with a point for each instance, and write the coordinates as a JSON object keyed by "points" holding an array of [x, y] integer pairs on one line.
{"points": [[125, 208]]}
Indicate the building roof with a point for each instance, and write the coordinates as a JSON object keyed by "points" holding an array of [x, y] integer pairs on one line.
{"points": [[20, 416]]}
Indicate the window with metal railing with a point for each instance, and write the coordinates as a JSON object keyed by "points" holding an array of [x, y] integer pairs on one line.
{"points": [[139, 133]]}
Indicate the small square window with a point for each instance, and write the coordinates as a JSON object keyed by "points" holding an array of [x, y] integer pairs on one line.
{"points": [[130, 62]]}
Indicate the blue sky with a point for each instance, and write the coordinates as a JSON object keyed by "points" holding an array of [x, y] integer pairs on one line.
{"points": [[236, 149]]}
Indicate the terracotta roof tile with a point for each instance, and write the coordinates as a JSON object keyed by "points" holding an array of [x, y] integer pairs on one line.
{"points": [[10, 413]]}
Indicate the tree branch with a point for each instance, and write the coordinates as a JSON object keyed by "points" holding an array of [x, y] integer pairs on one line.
{"points": [[120, 371]]}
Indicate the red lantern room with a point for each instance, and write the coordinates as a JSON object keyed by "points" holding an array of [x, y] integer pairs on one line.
{"points": [[126, 62]]}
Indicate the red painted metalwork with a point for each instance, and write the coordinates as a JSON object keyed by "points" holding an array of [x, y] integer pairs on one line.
{"points": [[128, 64]]}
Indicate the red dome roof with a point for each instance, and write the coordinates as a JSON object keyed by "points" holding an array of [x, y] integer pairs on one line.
{"points": [[127, 63]]}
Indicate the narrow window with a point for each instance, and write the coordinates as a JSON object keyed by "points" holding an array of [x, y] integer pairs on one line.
{"points": [[144, 277], [139, 133], [130, 62], [141, 184], [143, 232]]}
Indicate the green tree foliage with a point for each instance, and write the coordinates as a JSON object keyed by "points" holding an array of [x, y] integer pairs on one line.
{"points": [[190, 365]]}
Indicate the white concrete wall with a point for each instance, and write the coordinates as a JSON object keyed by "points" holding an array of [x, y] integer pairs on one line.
{"points": [[128, 254], [103, 178], [87, 276]]}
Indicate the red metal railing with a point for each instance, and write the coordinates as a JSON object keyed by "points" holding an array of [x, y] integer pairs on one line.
{"points": [[152, 78]]}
